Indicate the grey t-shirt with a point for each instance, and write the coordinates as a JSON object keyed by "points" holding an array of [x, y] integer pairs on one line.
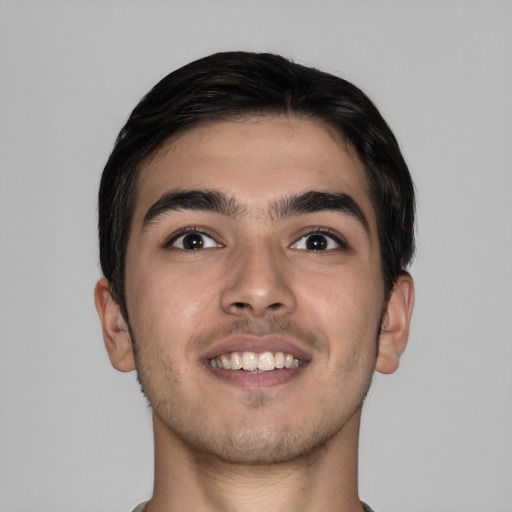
{"points": [[142, 506]]}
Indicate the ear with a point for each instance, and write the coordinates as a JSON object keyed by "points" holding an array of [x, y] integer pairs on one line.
{"points": [[395, 325], [116, 334]]}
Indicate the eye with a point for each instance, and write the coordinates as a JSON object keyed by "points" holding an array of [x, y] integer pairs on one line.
{"points": [[319, 241], [193, 241]]}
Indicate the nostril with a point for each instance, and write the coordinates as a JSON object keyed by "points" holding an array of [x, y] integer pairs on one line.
{"points": [[247, 306]]}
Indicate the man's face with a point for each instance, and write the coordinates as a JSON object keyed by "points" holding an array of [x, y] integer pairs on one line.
{"points": [[250, 238]]}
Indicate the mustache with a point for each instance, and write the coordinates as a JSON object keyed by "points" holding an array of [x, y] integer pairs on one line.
{"points": [[272, 325]]}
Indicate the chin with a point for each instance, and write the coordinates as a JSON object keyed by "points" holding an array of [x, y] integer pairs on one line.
{"points": [[264, 444]]}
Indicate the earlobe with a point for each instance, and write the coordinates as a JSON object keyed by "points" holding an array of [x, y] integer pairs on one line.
{"points": [[116, 334], [395, 325]]}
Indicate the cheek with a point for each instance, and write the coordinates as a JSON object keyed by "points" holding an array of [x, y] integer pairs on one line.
{"points": [[346, 304], [165, 312], [166, 302]]}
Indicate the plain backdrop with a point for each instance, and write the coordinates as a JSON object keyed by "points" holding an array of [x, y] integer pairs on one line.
{"points": [[75, 435]]}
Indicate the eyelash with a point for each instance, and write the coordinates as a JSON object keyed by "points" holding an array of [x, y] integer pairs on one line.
{"points": [[193, 230], [328, 233]]}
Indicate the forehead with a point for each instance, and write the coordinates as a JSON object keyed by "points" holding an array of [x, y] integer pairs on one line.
{"points": [[256, 160]]}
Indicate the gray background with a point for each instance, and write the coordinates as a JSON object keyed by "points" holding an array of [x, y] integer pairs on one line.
{"points": [[75, 434]]}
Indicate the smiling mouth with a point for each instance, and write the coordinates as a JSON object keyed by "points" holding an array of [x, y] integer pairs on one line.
{"points": [[255, 362]]}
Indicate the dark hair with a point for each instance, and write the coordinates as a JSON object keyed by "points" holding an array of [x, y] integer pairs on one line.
{"points": [[231, 85]]}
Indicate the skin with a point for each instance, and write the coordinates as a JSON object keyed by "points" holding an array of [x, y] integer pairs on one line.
{"points": [[254, 442]]}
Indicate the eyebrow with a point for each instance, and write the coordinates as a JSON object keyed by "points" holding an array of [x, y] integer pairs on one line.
{"points": [[201, 200], [311, 202], [218, 202]]}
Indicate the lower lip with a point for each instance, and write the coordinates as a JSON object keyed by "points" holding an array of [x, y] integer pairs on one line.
{"points": [[249, 380]]}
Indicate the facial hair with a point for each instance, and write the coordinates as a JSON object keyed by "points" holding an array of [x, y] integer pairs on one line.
{"points": [[251, 439]]}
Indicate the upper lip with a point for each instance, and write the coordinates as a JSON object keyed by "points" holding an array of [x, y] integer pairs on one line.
{"points": [[248, 343]]}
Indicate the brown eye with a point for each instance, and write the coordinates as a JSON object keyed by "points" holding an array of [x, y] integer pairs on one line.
{"points": [[193, 241], [316, 243], [319, 241]]}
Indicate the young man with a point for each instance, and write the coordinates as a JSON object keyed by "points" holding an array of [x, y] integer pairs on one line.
{"points": [[256, 219]]}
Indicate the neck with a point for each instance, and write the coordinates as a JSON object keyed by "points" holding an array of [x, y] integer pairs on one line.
{"points": [[324, 480]]}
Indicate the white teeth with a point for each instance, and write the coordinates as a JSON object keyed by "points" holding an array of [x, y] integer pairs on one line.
{"points": [[226, 363], [236, 361], [255, 362], [288, 361], [249, 361], [266, 362]]}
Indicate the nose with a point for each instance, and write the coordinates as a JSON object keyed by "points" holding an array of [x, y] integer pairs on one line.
{"points": [[258, 284]]}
